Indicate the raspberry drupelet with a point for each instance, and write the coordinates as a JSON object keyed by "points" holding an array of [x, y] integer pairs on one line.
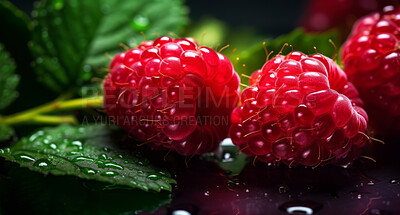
{"points": [[172, 94], [371, 58], [300, 109]]}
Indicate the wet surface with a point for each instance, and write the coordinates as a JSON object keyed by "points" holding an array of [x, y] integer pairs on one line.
{"points": [[362, 188]]}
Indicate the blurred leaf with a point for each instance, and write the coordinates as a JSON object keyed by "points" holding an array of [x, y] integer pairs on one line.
{"points": [[8, 80], [18, 33], [71, 37], [254, 57], [27, 192], [208, 32], [87, 152], [5, 132]]}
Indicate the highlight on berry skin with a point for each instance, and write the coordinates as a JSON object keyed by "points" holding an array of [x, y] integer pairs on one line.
{"points": [[172, 94], [300, 109]]}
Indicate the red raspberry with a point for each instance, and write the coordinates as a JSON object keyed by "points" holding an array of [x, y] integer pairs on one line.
{"points": [[172, 94], [300, 110], [371, 58]]}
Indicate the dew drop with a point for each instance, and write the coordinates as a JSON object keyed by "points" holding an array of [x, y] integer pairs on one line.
{"points": [[44, 163], [359, 196], [154, 176], [282, 188], [88, 171], [180, 212], [140, 172], [300, 207], [78, 144], [113, 165], [81, 158], [207, 193], [140, 23], [395, 181], [53, 146], [370, 183], [227, 157], [102, 156], [24, 157], [109, 173]]}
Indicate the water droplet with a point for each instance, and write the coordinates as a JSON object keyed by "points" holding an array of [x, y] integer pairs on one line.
{"points": [[140, 163], [395, 181], [121, 156], [109, 173], [300, 207], [113, 165], [125, 162], [227, 157], [72, 153], [39, 133], [43, 163], [180, 212], [282, 188], [81, 158], [106, 149], [89, 171], [154, 176], [370, 183], [58, 4], [102, 156], [53, 146], [78, 144], [24, 157], [140, 172], [247, 190], [359, 196], [140, 23], [207, 193]]}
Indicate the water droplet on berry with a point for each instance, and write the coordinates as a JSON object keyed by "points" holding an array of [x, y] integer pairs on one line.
{"points": [[140, 23]]}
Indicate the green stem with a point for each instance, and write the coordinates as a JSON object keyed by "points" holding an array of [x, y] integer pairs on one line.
{"points": [[53, 120], [33, 114]]}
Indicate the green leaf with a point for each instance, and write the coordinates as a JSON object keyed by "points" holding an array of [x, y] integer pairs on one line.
{"points": [[254, 57], [8, 80], [71, 37], [88, 152], [41, 194], [5, 132]]}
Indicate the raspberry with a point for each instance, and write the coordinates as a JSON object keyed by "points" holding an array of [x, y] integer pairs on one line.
{"points": [[300, 110], [172, 94], [371, 57]]}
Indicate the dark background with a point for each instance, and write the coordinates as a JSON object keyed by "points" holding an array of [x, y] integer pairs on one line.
{"points": [[268, 17]]}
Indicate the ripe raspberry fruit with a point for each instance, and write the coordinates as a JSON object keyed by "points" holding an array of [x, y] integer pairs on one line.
{"points": [[371, 57], [172, 94], [300, 110]]}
